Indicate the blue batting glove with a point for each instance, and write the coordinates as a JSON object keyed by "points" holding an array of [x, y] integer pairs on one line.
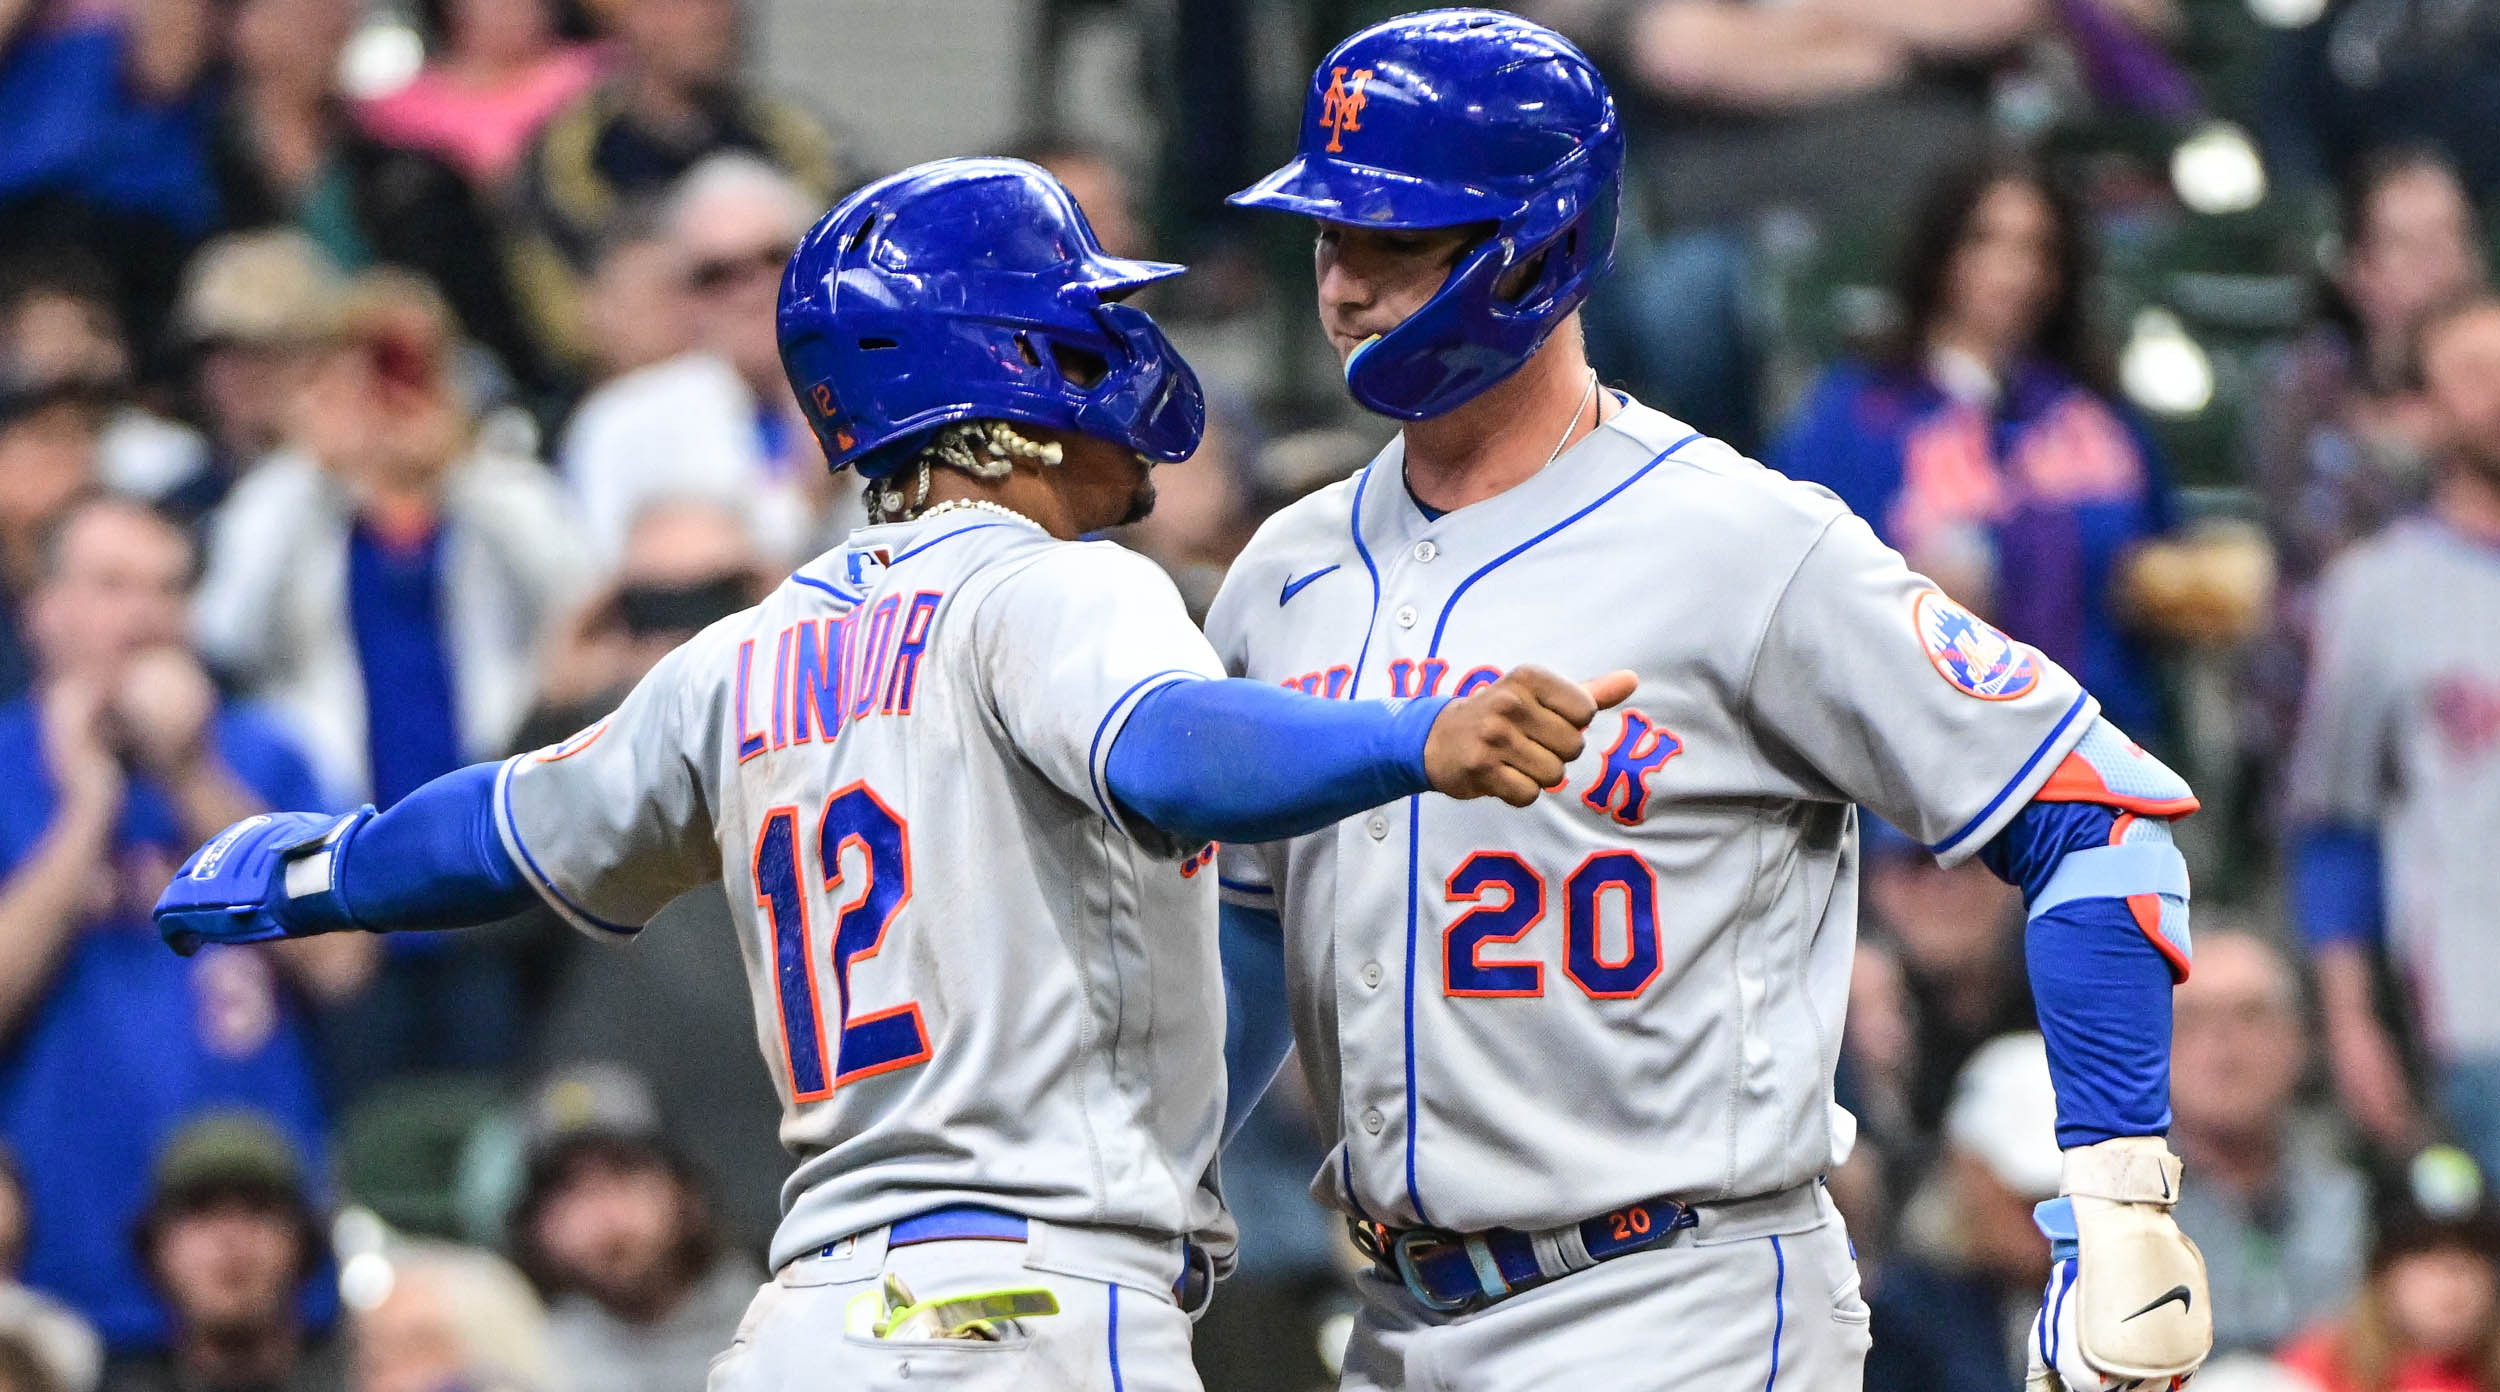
{"points": [[264, 878]]}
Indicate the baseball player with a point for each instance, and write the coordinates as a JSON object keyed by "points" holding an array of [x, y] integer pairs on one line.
{"points": [[1579, 1060], [958, 776]]}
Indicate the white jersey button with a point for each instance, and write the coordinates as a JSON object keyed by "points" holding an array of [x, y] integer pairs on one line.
{"points": [[1371, 973], [1378, 826], [1373, 1121], [1406, 616], [1425, 551]]}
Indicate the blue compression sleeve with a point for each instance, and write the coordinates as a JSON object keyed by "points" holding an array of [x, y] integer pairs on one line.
{"points": [[434, 860], [2101, 988], [2336, 885], [1257, 1031], [1245, 761]]}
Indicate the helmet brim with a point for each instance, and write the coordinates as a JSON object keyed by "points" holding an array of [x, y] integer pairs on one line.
{"points": [[1113, 276], [1364, 196]]}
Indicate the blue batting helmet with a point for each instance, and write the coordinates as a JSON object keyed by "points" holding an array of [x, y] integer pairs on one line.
{"points": [[1445, 119], [974, 289]]}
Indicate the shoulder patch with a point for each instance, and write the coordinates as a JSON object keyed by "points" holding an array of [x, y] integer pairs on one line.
{"points": [[1973, 655]]}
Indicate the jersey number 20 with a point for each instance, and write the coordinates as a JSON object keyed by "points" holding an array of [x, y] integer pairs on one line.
{"points": [[855, 822], [1509, 899]]}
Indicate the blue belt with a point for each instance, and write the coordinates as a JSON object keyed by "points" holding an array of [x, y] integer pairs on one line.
{"points": [[1454, 1272], [972, 1223], [958, 1223]]}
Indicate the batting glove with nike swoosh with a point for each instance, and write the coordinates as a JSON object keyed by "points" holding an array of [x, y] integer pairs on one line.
{"points": [[264, 878], [2127, 1307]]}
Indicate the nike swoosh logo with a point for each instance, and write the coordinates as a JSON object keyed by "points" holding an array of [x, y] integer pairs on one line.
{"points": [[1294, 587], [2178, 1293]]}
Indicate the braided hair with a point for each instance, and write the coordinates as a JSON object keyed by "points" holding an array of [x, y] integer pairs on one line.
{"points": [[986, 449]]}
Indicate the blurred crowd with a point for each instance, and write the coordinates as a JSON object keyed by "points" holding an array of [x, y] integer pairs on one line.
{"points": [[359, 421]]}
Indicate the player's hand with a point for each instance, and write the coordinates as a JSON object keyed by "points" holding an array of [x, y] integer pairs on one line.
{"points": [[1512, 739], [236, 888], [2128, 1306]]}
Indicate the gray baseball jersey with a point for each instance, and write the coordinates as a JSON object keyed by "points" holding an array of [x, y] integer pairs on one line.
{"points": [[2402, 733], [1523, 1018], [973, 982]]}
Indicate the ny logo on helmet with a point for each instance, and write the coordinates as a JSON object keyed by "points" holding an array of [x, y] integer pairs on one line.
{"points": [[1341, 106]]}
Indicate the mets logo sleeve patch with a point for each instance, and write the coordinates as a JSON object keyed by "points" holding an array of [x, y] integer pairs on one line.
{"points": [[1972, 654]]}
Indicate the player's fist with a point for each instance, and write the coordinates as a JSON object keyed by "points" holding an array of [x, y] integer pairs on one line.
{"points": [[1512, 739], [264, 878]]}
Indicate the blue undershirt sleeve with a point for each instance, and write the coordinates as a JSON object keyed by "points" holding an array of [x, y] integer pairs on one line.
{"points": [[1257, 1031], [434, 860], [1240, 760], [2101, 988], [2336, 885]]}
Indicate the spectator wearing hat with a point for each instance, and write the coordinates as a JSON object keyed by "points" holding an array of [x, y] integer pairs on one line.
{"points": [[386, 583], [1952, 1307], [2282, 1218], [257, 309], [230, 1238], [289, 152], [119, 764], [614, 1228], [2428, 1318]]}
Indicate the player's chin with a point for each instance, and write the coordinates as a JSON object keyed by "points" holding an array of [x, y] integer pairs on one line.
{"points": [[1141, 499]]}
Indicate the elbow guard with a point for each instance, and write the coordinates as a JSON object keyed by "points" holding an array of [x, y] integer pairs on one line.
{"points": [[2141, 864]]}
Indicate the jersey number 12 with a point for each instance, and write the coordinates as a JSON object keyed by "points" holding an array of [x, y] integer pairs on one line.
{"points": [[855, 821]]}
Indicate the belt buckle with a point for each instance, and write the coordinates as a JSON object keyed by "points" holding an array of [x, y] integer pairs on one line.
{"points": [[1402, 1246]]}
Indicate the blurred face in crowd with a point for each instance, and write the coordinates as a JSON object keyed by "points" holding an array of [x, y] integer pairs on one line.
{"points": [[2461, 369], [2415, 250], [379, 408], [2440, 1301], [291, 43], [2003, 277], [1102, 192], [228, 1266], [499, 31], [636, 309], [65, 336], [2000, 1236], [683, 562], [410, 1342], [47, 457], [689, 43], [243, 391], [614, 1226], [2237, 1050], [1371, 278], [732, 248], [117, 586]]}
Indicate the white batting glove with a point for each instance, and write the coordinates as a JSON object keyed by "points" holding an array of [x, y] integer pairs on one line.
{"points": [[2127, 1308]]}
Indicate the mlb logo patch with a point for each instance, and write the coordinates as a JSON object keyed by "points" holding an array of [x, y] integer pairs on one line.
{"points": [[1971, 653]]}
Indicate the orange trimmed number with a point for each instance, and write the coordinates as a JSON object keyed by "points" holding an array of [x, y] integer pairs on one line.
{"points": [[1508, 896], [1629, 1223], [858, 828]]}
